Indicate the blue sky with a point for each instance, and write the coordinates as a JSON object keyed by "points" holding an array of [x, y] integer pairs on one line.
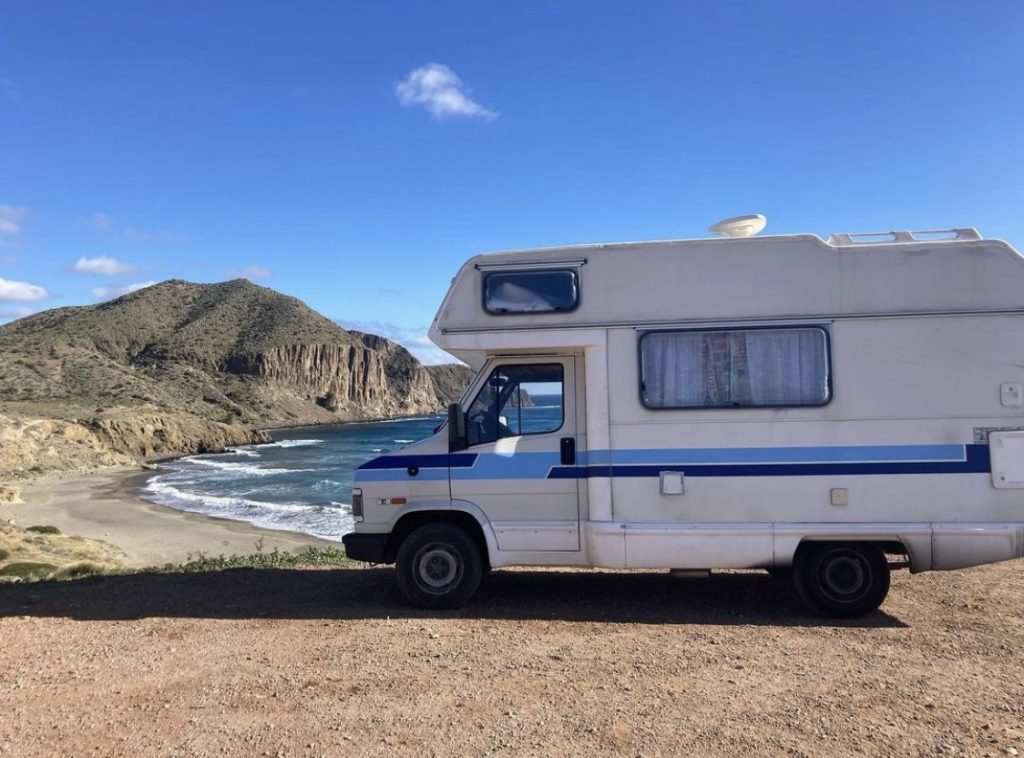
{"points": [[354, 154]]}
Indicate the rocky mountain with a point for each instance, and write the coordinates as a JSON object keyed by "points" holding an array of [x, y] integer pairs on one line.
{"points": [[179, 368]]}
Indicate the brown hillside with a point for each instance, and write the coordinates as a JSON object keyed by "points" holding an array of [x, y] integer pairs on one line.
{"points": [[180, 367]]}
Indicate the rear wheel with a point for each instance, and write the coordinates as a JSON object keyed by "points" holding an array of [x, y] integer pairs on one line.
{"points": [[439, 566], [841, 579]]}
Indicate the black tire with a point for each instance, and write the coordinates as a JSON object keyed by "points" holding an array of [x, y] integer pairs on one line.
{"points": [[841, 579], [439, 566]]}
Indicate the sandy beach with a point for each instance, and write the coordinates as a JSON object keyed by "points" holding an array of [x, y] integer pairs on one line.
{"points": [[106, 506]]}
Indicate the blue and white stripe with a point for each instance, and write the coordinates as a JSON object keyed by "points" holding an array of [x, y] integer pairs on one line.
{"points": [[706, 462]]}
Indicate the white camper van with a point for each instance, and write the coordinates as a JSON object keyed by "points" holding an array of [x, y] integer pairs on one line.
{"points": [[826, 408]]}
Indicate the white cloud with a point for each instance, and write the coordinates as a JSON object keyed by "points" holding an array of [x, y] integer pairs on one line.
{"points": [[413, 339], [20, 292], [10, 222], [108, 293], [104, 265], [440, 90], [248, 272]]}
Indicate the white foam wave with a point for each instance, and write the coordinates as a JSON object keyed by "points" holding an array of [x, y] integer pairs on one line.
{"points": [[325, 521], [244, 469], [401, 420], [293, 443], [247, 452], [402, 442]]}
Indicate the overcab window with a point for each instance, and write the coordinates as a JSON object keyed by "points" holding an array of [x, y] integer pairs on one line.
{"points": [[735, 368], [530, 291]]}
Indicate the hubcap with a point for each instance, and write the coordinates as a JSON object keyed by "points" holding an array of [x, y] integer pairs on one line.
{"points": [[845, 576], [437, 567]]}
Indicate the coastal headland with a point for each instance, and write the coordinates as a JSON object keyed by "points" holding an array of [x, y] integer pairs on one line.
{"points": [[90, 395], [180, 368]]}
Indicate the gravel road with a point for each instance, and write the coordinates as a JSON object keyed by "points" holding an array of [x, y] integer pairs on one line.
{"points": [[330, 662]]}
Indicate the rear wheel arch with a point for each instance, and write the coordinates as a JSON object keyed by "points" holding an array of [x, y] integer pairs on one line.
{"points": [[888, 545]]}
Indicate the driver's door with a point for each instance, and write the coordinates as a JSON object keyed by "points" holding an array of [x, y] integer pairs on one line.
{"points": [[520, 463]]}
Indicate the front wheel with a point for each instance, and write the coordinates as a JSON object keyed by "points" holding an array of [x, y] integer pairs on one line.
{"points": [[439, 566], [841, 579]]}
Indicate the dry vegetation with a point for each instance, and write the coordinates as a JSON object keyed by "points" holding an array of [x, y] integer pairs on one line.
{"points": [[41, 551]]}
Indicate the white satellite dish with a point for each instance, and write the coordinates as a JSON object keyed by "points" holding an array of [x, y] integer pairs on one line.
{"points": [[739, 226]]}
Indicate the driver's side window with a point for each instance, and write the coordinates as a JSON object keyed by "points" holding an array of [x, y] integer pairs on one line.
{"points": [[517, 400]]}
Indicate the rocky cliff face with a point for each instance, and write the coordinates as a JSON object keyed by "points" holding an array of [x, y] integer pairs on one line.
{"points": [[149, 436], [180, 368], [363, 381]]}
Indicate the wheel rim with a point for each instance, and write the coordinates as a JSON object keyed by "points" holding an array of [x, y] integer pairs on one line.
{"points": [[438, 567], [844, 576]]}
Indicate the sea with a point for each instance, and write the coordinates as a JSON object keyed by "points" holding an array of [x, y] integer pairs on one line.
{"points": [[302, 480]]}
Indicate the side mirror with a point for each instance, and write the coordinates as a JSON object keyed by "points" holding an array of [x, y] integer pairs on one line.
{"points": [[457, 439]]}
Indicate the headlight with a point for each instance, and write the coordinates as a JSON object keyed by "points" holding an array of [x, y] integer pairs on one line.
{"points": [[357, 504]]}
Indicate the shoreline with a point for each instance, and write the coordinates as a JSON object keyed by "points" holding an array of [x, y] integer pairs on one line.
{"points": [[106, 505], [318, 424], [156, 462]]}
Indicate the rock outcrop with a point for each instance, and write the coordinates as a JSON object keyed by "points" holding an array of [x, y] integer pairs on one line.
{"points": [[35, 446], [450, 381], [149, 436], [180, 368]]}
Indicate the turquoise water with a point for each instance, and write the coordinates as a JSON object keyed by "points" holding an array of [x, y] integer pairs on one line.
{"points": [[301, 482]]}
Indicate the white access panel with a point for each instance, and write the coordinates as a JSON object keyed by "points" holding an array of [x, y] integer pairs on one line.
{"points": [[1007, 452]]}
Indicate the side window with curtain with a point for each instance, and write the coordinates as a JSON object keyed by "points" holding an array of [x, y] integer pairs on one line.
{"points": [[735, 368], [517, 400]]}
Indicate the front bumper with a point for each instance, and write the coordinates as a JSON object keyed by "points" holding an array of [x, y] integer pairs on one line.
{"points": [[365, 547]]}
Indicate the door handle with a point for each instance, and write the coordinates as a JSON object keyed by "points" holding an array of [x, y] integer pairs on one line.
{"points": [[568, 449]]}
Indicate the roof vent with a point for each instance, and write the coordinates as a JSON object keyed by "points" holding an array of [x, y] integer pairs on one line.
{"points": [[922, 235], [739, 226]]}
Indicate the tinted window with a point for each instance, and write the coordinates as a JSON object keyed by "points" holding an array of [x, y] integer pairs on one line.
{"points": [[530, 291], [517, 400], [745, 368]]}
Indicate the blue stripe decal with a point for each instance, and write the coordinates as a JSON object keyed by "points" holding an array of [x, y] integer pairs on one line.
{"points": [[972, 459], [706, 462], [510, 466], [443, 460], [845, 454]]}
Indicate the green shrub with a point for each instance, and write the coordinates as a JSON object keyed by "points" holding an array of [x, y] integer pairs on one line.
{"points": [[43, 529], [324, 556], [27, 570], [77, 570], [4, 554]]}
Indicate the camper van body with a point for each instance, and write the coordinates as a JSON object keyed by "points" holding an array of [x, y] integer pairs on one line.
{"points": [[720, 403]]}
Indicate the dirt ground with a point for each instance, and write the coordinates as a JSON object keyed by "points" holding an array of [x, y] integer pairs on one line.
{"points": [[330, 662]]}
